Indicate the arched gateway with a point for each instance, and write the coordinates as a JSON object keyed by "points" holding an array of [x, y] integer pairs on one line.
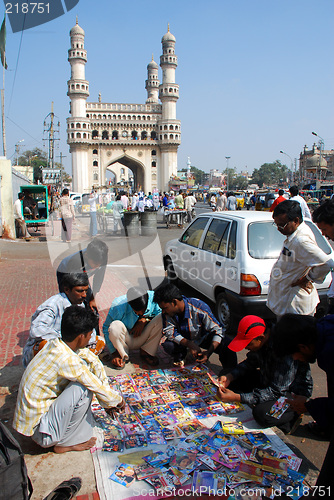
{"points": [[110, 136]]}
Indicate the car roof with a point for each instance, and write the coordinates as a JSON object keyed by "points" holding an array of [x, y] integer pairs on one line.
{"points": [[247, 215]]}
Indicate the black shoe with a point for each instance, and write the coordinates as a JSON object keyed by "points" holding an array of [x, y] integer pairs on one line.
{"points": [[66, 490]]}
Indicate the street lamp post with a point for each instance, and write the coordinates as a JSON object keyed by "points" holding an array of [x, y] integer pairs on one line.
{"points": [[321, 144], [227, 175], [291, 166], [17, 149]]}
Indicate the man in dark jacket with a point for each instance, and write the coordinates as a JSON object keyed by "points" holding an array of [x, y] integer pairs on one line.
{"points": [[309, 340]]}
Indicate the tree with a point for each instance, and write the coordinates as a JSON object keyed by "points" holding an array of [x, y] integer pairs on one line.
{"points": [[230, 175], [270, 174], [239, 182], [197, 173], [35, 158]]}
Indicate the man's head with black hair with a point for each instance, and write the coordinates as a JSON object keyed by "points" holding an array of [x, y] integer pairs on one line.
{"points": [[323, 216], [296, 335], [170, 299], [75, 286], [96, 253], [77, 321], [294, 190], [280, 192], [138, 299], [288, 216]]}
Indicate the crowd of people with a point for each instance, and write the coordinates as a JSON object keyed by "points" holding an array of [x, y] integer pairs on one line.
{"points": [[61, 356]]}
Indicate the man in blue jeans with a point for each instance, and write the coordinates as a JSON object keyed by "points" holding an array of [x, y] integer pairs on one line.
{"points": [[189, 324]]}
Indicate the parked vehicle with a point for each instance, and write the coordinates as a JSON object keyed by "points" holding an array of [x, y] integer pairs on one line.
{"points": [[83, 207], [228, 256], [39, 214]]}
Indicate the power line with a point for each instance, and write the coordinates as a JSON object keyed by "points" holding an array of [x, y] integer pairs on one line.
{"points": [[17, 63]]}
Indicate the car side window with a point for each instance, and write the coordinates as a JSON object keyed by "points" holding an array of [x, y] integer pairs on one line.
{"points": [[232, 242], [194, 232], [216, 237], [321, 241]]}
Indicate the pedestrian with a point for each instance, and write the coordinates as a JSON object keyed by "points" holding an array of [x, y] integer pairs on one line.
{"points": [[179, 200], [278, 200], [221, 201], [231, 202], [54, 399], [294, 192], [263, 377], [189, 324], [133, 322], [189, 203], [20, 224], [308, 340], [118, 213], [301, 261], [323, 216], [124, 200], [67, 215], [93, 198]]}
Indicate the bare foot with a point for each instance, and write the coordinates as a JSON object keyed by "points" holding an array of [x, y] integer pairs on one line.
{"points": [[77, 447]]}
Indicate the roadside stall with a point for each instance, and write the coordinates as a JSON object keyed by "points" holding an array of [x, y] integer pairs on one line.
{"points": [[174, 217]]}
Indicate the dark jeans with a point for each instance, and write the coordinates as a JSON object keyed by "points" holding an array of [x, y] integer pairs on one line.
{"points": [[252, 381], [227, 358]]}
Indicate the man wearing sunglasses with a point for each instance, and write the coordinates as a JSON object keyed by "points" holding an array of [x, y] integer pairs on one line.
{"points": [[300, 264]]}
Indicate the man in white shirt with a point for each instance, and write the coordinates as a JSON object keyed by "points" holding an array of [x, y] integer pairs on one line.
{"points": [[221, 202], [189, 203], [300, 263], [93, 198], [294, 191], [19, 219]]}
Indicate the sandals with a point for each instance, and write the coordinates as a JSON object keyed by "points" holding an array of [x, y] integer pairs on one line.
{"points": [[66, 490], [149, 360]]}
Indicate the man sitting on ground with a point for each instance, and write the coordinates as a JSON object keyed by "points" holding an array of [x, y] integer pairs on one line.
{"points": [[133, 322], [93, 261], [46, 320], [55, 394], [188, 324], [262, 377]]}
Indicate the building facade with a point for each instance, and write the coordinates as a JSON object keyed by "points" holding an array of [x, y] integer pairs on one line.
{"points": [[122, 137]]}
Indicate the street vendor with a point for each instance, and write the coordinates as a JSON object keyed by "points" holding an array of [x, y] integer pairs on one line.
{"points": [[46, 320], [189, 324], [133, 322], [55, 394], [262, 377]]}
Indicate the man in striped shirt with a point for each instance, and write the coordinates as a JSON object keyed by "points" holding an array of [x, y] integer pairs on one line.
{"points": [[54, 399], [189, 324]]}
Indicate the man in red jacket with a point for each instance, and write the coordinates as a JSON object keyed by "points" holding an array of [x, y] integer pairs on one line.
{"points": [[278, 200]]}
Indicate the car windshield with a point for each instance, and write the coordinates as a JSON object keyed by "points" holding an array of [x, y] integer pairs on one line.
{"points": [[265, 242]]}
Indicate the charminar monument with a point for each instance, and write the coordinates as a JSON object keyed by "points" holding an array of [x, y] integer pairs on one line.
{"points": [[119, 136]]}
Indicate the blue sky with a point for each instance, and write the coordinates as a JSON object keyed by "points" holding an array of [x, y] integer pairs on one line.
{"points": [[255, 76]]}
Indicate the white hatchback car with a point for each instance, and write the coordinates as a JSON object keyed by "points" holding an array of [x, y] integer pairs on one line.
{"points": [[228, 256]]}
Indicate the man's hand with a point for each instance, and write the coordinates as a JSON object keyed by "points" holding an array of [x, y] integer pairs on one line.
{"points": [[227, 396], [92, 305], [202, 356], [117, 360], [116, 409], [138, 327], [194, 349], [225, 380], [304, 283], [297, 403]]}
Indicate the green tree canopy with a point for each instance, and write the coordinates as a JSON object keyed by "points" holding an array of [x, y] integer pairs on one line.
{"points": [[198, 174], [270, 174], [35, 158]]}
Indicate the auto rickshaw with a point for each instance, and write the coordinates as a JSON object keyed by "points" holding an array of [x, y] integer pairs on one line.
{"points": [[35, 207]]}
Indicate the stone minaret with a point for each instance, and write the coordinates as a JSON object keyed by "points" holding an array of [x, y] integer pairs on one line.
{"points": [[152, 83], [169, 127], [78, 126]]}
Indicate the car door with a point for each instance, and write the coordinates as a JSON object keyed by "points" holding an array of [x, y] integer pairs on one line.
{"points": [[186, 251], [216, 257]]}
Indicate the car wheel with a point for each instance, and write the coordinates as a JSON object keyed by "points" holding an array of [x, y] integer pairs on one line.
{"points": [[170, 270], [223, 312]]}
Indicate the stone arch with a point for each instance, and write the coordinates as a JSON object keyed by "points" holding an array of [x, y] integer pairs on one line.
{"points": [[136, 167]]}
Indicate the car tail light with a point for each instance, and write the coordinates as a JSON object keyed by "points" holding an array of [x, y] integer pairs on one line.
{"points": [[249, 285]]}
